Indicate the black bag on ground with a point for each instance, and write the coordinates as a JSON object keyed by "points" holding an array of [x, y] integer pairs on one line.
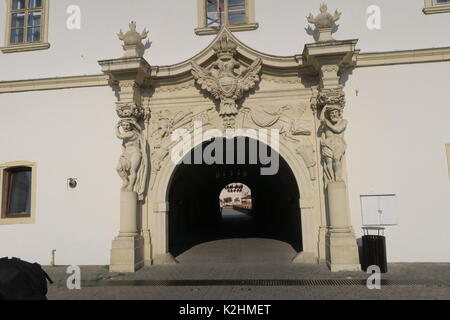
{"points": [[21, 280]]}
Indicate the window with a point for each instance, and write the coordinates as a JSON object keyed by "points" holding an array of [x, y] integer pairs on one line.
{"points": [[17, 193], [436, 6], [26, 25], [239, 15]]}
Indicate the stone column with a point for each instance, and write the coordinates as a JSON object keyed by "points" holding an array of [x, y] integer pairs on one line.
{"points": [[308, 255], [128, 206], [161, 254], [341, 248], [127, 247], [127, 76], [329, 57], [127, 253]]}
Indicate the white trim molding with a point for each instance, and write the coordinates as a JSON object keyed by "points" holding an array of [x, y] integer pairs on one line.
{"points": [[372, 59], [203, 29], [433, 7], [53, 83], [22, 220], [403, 57], [27, 46]]}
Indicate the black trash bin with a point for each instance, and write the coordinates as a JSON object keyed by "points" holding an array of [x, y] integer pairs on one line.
{"points": [[374, 249]]}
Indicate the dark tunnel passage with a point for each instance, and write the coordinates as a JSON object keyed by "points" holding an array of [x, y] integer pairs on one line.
{"points": [[195, 215]]}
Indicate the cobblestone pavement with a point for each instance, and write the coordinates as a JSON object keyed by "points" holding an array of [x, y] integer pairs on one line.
{"points": [[240, 259]]}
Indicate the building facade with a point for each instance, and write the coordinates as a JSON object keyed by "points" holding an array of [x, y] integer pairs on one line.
{"points": [[359, 98]]}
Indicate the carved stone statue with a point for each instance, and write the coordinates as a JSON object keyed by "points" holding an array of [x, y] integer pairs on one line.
{"points": [[333, 144], [225, 84], [132, 167]]}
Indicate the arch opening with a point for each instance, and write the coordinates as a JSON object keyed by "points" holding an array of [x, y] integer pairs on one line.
{"points": [[197, 216]]}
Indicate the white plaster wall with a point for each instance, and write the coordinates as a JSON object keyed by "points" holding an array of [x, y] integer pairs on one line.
{"points": [[172, 23], [68, 133], [398, 128]]}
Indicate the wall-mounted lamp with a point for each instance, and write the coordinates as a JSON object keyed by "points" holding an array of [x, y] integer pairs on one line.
{"points": [[72, 183]]}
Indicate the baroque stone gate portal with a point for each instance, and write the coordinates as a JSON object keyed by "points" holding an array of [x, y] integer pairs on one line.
{"points": [[231, 86]]}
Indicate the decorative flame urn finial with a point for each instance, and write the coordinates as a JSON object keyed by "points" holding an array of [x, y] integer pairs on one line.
{"points": [[132, 41], [324, 22]]}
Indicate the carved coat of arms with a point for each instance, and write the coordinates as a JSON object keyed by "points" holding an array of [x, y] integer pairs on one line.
{"points": [[225, 84]]}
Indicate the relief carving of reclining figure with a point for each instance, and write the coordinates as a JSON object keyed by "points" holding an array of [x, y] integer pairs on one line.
{"points": [[290, 125]]}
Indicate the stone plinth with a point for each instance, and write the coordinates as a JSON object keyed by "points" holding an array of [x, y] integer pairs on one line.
{"points": [[128, 214], [342, 252], [338, 207], [324, 34], [341, 248], [127, 252]]}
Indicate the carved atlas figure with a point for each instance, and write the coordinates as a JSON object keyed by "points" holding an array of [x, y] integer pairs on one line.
{"points": [[132, 167], [333, 143]]}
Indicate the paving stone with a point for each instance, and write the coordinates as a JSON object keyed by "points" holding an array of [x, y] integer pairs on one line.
{"points": [[252, 259]]}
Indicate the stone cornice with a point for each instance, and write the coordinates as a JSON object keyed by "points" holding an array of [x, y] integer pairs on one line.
{"points": [[362, 60], [53, 83], [343, 53], [123, 67], [403, 57]]}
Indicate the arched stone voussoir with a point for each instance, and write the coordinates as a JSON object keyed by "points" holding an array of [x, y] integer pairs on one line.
{"points": [[159, 192]]}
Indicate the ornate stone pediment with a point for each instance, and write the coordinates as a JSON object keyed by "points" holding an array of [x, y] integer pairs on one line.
{"points": [[223, 83]]}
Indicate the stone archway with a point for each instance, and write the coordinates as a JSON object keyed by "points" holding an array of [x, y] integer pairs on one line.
{"points": [[295, 192], [194, 215], [231, 86]]}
